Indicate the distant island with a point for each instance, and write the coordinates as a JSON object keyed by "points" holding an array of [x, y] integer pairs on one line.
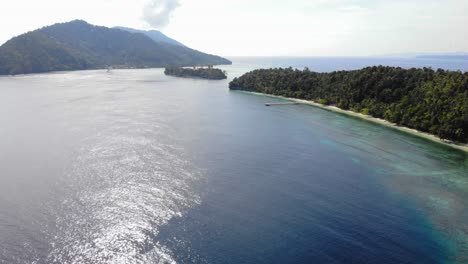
{"points": [[77, 45], [204, 73], [444, 57], [431, 101]]}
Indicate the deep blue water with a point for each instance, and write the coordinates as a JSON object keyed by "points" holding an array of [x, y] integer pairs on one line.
{"points": [[136, 167]]}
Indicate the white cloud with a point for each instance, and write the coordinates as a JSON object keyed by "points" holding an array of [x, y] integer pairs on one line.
{"points": [[265, 27], [157, 13]]}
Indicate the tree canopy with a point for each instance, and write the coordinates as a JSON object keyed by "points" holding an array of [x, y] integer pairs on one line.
{"points": [[205, 73], [78, 45]]}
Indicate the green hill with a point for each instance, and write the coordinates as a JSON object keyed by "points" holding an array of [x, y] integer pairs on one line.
{"points": [[78, 45]]}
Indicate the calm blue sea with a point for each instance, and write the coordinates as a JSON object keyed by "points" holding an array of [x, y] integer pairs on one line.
{"points": [[133, 166]]}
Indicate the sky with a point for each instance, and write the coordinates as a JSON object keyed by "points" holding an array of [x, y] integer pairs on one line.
{"points": [[266, 27]]}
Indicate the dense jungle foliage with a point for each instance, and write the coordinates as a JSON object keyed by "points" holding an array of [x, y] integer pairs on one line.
{"points": [[434, 101], [205, 73], [78, 45]]}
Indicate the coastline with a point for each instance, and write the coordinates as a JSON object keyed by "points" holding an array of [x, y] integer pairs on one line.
{"points": [[414, 132]]}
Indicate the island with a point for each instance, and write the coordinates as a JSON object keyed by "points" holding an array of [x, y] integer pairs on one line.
{"points": [[78, 45], [425, 100], [209, 72]]}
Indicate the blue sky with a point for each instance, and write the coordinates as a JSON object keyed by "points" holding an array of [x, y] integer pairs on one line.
{"points": [[267, 28]]}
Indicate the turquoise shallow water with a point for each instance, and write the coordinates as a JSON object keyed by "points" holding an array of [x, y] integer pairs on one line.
{"points": [[136, 167]]}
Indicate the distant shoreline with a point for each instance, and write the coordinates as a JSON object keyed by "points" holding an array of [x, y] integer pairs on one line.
{"points": [[411, 131]]}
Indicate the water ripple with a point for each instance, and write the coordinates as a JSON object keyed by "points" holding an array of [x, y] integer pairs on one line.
{"points": [[122, 189]]}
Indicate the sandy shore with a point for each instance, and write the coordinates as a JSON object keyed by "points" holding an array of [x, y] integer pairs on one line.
{"points": [[459, 146]]}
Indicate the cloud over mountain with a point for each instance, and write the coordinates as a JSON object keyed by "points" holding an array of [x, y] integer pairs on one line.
{"points": [[157, 13]]}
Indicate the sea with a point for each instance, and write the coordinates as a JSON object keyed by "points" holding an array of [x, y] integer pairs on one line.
{"points": [[132, 166]]}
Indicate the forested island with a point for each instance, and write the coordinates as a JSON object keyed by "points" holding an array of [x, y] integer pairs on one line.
{"points": [[209, 73], [77, 45], [433, 101]]}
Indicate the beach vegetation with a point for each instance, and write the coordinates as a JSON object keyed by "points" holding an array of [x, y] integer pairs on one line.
{"points": [[433, 101], [200, 72]]}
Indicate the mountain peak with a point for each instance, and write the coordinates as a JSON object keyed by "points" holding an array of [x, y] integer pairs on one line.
{"points": [[77, 21], [78, 45], [155, 35]]}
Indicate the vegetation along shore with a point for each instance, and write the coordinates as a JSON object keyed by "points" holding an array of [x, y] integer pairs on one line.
{"points": [[78, 45], [424, 102], [209, 72]]}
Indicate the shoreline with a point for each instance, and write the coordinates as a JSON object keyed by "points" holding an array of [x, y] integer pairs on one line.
{"points": [[411, 131]]}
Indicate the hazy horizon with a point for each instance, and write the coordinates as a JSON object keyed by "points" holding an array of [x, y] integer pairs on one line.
{"points": [[350, 28]]}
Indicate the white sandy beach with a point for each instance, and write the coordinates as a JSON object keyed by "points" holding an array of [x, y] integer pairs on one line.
{"points": [[456, 145]]}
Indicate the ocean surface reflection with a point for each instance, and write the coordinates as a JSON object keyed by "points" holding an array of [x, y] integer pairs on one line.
{"points": [[136, 167]]}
